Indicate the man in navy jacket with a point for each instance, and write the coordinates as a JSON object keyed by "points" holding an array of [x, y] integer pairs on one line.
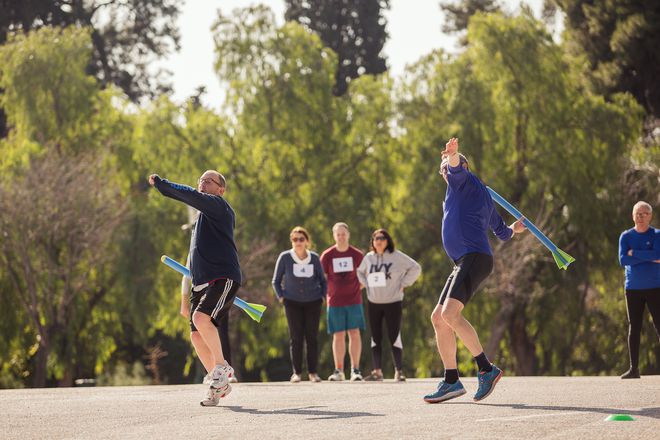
{"points": [[215, 271]]}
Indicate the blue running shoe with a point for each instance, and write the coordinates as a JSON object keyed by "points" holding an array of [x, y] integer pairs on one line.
{"points": [[445, 391], [487, 382]]}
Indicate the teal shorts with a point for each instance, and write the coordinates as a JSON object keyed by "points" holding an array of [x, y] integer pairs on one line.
{"points": [[345, 318]]}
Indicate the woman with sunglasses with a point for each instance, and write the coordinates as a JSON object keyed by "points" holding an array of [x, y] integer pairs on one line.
{"points": [[300, 285], [385, 272]]}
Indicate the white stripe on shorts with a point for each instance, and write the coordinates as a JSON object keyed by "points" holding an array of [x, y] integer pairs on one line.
{"points": [[223, 298]]}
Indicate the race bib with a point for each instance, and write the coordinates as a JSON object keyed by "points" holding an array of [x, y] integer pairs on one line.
{"points": [[303, 270], [344, 264], [376, 279]]}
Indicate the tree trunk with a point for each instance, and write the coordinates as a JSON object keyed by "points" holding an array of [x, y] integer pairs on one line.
{"points": [[523, 349], [41, 363], [498, 328]]}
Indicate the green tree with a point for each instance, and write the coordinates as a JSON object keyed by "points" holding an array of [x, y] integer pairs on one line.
{"points": [[354, 30], [529, 128], [298, 152], [127, 36], [457, 15], [619, 40], [54, 168]]}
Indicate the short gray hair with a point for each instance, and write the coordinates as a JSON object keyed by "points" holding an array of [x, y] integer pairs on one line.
{"points": [[340, 225], [644, 204]]}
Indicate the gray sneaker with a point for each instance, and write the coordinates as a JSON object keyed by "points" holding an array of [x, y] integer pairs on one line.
{"points": [[337, 376]]}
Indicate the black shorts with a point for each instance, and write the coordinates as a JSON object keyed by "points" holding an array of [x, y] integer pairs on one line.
{"points": [[214, 300], [469, 272]]}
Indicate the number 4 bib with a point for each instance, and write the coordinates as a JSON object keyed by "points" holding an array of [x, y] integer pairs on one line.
{"points": [[303, 270]]}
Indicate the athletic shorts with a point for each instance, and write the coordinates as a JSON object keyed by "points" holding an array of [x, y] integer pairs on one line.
{"points": [[470, 270], [214, 300], [345, 318]]}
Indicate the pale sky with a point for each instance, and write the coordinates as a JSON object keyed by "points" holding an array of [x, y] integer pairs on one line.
{"points": [[414, 27]]}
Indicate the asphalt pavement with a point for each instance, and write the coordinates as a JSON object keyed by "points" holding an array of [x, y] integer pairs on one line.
{"points": [[519, 408]]}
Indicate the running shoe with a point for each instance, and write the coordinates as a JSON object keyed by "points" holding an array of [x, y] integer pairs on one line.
{"points": [[375, 376], [445, 391], [337, 376], [232, 379], [313, 377], [220, 375], [399, 376], [295, 378], [487, 382], [213, 395], [207, 379], [356, 375]]}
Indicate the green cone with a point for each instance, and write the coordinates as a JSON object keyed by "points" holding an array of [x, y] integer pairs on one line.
{"points": [[619, 418]]}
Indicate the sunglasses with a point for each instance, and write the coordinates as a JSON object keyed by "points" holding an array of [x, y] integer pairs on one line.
{"points": [[380, 238], [298, 239]]}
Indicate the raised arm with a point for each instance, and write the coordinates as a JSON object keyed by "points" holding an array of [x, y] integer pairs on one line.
{"points": [[205, 203], [451, 168]]}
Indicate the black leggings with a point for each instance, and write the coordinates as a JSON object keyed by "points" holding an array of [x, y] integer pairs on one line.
{"points": [[303, 319], [391, 314], [635, 302]]}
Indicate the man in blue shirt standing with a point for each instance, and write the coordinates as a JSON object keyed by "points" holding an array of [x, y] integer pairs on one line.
{"points": [[469, 213], [215, 271], [639, 254]]}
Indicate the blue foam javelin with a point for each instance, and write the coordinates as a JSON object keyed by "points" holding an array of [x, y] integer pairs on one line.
{"points": [[255, 311], [561, 258]]}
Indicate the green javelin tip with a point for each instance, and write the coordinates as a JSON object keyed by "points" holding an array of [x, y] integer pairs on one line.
{"points": [[562, 259], [255, 311]]}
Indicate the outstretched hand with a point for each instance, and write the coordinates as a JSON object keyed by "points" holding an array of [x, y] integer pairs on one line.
{"points": [[518, 226], [451, 147], [152, 182]]}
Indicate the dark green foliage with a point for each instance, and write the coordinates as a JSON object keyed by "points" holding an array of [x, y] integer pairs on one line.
{"points": [[620, 40], [353, 29], [126, 35]]}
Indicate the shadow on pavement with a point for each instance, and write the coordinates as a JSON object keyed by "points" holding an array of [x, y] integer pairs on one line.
{"points": [[653, 412], [314, 414]]}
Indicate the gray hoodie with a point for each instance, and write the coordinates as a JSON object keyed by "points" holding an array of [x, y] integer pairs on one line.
{"points": [[385, 276]]}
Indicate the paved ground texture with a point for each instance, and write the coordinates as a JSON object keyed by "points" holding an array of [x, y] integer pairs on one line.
{"points": [[520, 407]]}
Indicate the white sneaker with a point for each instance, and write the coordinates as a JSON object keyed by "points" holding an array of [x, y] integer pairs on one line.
{"points": [[220, 375], [356, 375], [233, 379], [337, 376], [313, 377], [207, 379], [213, 395], [295, 378]]}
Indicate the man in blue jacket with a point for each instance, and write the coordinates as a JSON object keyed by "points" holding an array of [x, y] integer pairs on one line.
{"points": [[469, 213], [639, 253], [215, 271]]}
